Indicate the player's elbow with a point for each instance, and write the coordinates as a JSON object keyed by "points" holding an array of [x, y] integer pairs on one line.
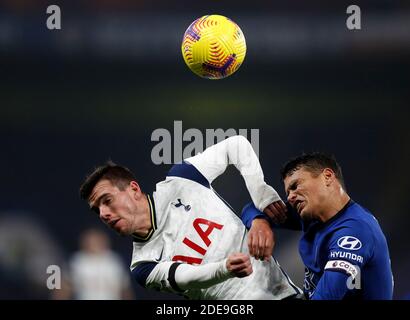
{"points": [[238, 142], [239, 139]]}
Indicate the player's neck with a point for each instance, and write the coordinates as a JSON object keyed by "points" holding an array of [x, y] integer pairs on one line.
{"points": [[143, 224], [338, 202]]}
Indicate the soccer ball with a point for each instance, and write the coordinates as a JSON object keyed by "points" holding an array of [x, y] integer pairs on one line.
{"points": [[213, 47]]}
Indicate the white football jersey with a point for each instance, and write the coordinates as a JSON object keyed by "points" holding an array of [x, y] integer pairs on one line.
{"points": [[98, 276], [192, 224]]}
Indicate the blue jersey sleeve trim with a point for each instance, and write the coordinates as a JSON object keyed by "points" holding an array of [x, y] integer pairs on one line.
{"points": [[188, 171], [250, 212], [142, 271]]}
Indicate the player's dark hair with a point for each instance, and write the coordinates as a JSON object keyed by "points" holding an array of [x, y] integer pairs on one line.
{"points": [[118, 175], [314, 162]]}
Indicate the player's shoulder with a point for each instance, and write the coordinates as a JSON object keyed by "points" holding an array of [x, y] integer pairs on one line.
{"points": [[355, 234], [187, 171], [358, 218], [356, 223]]}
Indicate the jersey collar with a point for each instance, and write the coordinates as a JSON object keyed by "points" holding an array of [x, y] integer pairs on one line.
{"points": [[317, 224], [341, 212], [153, 218]]}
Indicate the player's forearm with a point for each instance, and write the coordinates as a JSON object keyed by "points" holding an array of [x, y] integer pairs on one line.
{"points": [[237, 151], [170, 276], [201, 277], [246, 161]]}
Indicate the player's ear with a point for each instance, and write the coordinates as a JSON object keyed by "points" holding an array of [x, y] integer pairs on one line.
{"points": [[329, 176], [136, 188]]}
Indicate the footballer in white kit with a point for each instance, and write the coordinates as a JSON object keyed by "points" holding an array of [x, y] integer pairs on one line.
{"points": [[193, 232]]}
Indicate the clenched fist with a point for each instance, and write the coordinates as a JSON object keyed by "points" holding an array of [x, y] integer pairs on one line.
{"points": [[239, 265]]}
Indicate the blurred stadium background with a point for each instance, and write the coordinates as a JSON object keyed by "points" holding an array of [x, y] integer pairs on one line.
{"points": [[98, 88]]}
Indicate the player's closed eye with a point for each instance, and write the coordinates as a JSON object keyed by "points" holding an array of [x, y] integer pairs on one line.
{"points": [[292, 187]]}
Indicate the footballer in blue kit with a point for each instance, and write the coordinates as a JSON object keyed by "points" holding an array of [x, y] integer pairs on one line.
{"points": [[343, 248]]}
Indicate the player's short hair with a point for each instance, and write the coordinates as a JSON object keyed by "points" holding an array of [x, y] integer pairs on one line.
{"points": [[119, 176], [314, 162]]}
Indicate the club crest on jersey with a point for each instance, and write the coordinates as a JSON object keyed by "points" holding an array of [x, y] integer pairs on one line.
{"points": [[180, 204], [309, 282], [349, 243]]}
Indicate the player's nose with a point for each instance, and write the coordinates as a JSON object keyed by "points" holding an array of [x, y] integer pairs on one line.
{"points": [[291, 198], [104, 213]]}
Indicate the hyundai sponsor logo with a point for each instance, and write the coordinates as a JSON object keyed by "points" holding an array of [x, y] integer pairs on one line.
{"points": [[346, 255], [349, 243]]}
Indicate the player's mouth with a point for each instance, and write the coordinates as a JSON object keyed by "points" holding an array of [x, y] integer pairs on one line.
{"points": [[299, 206], [113, 223]]}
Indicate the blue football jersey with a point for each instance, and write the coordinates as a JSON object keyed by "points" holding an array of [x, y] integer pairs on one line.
{"points": [[346, 257]]}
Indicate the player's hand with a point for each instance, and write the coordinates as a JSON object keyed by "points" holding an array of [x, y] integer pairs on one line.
{"points": [[261, 239], [277, 211], [239, 264]]}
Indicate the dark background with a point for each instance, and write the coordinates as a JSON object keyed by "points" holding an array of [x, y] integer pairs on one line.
{"points": [[98, 88]]}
